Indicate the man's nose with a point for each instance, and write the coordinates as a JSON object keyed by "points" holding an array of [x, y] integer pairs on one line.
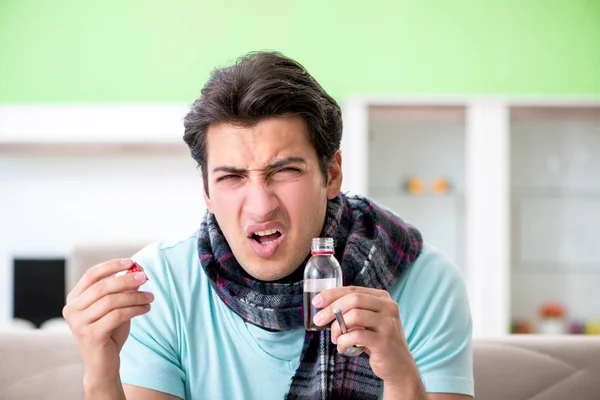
{"points": [[261, 202]]}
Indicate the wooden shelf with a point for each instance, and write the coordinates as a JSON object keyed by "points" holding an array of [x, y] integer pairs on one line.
{"points": [[92, 148]]}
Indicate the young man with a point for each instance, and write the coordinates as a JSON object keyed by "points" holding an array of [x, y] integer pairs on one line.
{"points": [[226, 319]]}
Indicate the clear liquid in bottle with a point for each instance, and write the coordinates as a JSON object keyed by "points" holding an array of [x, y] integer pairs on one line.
{"points": [[322, 272]]}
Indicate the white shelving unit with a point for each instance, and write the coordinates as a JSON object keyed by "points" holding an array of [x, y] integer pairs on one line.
{"points": [[521, 217], [502, 158]]}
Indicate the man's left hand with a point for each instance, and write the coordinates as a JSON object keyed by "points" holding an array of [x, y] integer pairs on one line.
{"points": [[373, 321]]}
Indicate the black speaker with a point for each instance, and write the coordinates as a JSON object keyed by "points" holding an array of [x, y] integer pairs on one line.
{"points": [[38, 289]]}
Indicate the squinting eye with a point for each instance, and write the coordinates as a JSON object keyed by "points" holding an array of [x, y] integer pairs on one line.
{"points": [[227, 178], [288, 169]]}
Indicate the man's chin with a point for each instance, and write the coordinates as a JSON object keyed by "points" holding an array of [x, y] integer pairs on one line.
{"points": [[276, 275], [268, 276]]}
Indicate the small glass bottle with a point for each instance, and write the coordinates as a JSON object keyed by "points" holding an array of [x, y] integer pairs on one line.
{"points": [[322, 272]]}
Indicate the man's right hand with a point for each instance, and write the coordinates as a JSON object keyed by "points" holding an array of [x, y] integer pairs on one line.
{"points": [[99, 310]]}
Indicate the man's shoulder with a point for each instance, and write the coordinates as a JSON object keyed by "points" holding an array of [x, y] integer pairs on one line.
{"points": [[434, 259], [174, 254], [432, 271], [175, 244]]}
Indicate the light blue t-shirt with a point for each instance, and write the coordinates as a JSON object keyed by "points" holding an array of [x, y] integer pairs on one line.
{"points": [[193, 346]]}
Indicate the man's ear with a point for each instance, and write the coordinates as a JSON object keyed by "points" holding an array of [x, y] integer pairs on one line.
{"points": [[207, 202], [334, 176], [205, 193]]}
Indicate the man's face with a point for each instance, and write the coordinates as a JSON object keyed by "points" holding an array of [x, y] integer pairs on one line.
{"points": [[268, 193]]}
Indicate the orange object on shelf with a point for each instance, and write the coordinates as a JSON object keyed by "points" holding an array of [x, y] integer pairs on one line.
{"points": [[440, 186], [552, 310], [415, 186], [522, 327]]}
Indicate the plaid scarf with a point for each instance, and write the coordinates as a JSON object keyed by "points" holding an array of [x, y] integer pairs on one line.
{"points": [[373, 246]]}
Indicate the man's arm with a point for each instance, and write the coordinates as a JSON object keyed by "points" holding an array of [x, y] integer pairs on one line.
{"points": [[412, 389], [139, 393], [118, 391]]}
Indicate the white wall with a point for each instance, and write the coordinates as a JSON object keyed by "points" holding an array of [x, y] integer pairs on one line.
{"points": [[48, 205], [52, 202]]}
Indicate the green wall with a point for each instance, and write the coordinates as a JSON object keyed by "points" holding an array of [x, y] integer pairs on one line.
{"points": [[115, 50]]}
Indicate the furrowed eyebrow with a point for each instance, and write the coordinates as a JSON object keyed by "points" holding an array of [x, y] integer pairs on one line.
{"points": [[275, 165], [285, 161], [229, 169]]}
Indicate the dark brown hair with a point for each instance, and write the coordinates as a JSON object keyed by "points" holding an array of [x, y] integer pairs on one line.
{"points": [[261, 85]]}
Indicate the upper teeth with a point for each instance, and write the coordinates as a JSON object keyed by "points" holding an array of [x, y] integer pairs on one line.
{"points": [[265, 233]]}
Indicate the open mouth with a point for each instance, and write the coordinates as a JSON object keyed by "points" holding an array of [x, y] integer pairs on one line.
{"points": [[264, 238]]}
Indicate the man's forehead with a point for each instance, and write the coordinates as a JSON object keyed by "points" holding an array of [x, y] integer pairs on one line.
{"points": [[282, 124], [257, 148]]}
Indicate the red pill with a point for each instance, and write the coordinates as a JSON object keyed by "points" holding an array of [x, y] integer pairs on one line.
{"points": [[134, 268]]}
